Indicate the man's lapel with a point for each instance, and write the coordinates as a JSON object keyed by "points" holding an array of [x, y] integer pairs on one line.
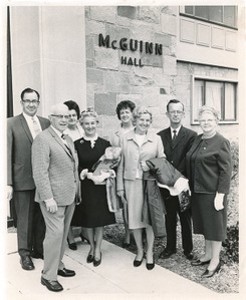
{"points": [[179, 138], [25, 127], [59, 141]]}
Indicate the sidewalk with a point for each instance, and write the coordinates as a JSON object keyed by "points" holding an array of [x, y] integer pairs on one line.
{"points": [[115, 278]]}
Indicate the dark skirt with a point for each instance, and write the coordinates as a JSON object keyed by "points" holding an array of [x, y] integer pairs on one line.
{"points": [[93, 210], [206, 219]]}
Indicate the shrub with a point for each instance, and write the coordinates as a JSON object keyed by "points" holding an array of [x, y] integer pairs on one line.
{"points": [[235, 157], [231, 245]]}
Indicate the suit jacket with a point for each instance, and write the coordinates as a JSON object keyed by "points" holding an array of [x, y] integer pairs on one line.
{"points": [[176, 152], [19, 142], [212, 167], [55, 168]]}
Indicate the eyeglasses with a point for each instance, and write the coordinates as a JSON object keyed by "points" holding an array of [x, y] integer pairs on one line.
{"points": [[178, 112], [60, 116], [31, 101], [206, 121]]}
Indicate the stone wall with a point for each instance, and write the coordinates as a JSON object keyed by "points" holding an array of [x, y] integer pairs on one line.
{"points": [[153, 85], [109, 81]]}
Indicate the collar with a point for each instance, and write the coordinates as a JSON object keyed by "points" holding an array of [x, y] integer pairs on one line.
{"points": [[177, 129], [56, 131], [29, 118], [87, 138], [131, 136]]}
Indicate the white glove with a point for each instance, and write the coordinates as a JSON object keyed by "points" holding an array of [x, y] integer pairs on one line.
{"points": [[51, 205], [9, 192], [218, 201], [83, 174]]}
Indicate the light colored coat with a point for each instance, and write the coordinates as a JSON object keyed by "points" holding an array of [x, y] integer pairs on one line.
{"points": [[55, 170], [132, 154]]}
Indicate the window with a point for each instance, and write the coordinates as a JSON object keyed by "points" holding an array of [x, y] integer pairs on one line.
{"points": [[223, 15], [222, 95]]}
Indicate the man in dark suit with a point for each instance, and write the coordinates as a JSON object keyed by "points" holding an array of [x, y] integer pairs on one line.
{"points": [[21, 131], [177, 141], [55, 172]]}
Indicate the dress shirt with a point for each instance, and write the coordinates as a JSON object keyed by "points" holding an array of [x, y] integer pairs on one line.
{"points": [[29, 121], [177, 131]]}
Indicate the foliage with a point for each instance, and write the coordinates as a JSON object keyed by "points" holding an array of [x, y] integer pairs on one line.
{"points": [[235, 158], [231, 245]]}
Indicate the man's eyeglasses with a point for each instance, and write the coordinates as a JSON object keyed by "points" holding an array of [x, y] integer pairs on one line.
{"points": [[178, 112], [61, 116], [31, 101]]}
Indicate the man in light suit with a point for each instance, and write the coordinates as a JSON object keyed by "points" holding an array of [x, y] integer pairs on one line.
{"points": [[21, 130], [55, 172], [177, 141]]}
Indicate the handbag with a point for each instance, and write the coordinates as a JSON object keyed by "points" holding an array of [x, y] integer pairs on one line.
{"points": [[184, 200]]}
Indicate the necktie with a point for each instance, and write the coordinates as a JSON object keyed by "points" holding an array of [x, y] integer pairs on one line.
{"points": [[63, 136], [36, 127], [174, 134]]}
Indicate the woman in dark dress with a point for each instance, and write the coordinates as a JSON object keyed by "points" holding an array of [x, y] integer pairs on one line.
{"points": [[93, 213], [209, 171]]}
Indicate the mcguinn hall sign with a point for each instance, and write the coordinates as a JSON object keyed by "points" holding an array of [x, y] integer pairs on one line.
{"points": [[132, 45]]}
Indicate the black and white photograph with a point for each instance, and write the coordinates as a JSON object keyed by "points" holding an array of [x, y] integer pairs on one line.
{"points": [[122, 129]]}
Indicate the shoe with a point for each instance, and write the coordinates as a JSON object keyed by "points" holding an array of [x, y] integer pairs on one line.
{"points": [[150, 266], [198, 262], [52, 285], [96, 263], [189, 255], [209, 273], [90, 258], [83, 238], [71, 246], [137, 263], [125, 245], [166, 253], [37, 255], [26, 263], [66, 273]]}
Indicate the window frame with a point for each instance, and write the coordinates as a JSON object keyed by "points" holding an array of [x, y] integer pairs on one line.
{"points": [[222, 112], [182, 13]]}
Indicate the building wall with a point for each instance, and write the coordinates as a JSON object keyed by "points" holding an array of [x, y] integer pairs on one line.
{"points": [[183, 86], [162, 77], [56, 50], [48, 54], [109, 81]]}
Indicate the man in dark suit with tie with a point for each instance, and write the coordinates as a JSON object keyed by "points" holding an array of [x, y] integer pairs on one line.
{"points": [[177, 141], [21, 131], [55, 172]]}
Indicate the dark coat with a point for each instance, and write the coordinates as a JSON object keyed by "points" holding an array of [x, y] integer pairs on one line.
{"points": [[176, 152], [213, 165], [19, 143], [153, 207]]}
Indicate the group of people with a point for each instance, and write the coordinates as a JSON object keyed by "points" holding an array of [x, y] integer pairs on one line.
{"points": [[48, 163]]}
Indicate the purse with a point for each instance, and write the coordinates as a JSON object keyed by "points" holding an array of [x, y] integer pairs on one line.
{"points": [[184, 200]]}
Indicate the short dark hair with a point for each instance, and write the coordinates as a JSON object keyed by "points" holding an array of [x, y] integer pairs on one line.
{"points": [[124, 105], [73, 105], [174, 101], [29, 90]]}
